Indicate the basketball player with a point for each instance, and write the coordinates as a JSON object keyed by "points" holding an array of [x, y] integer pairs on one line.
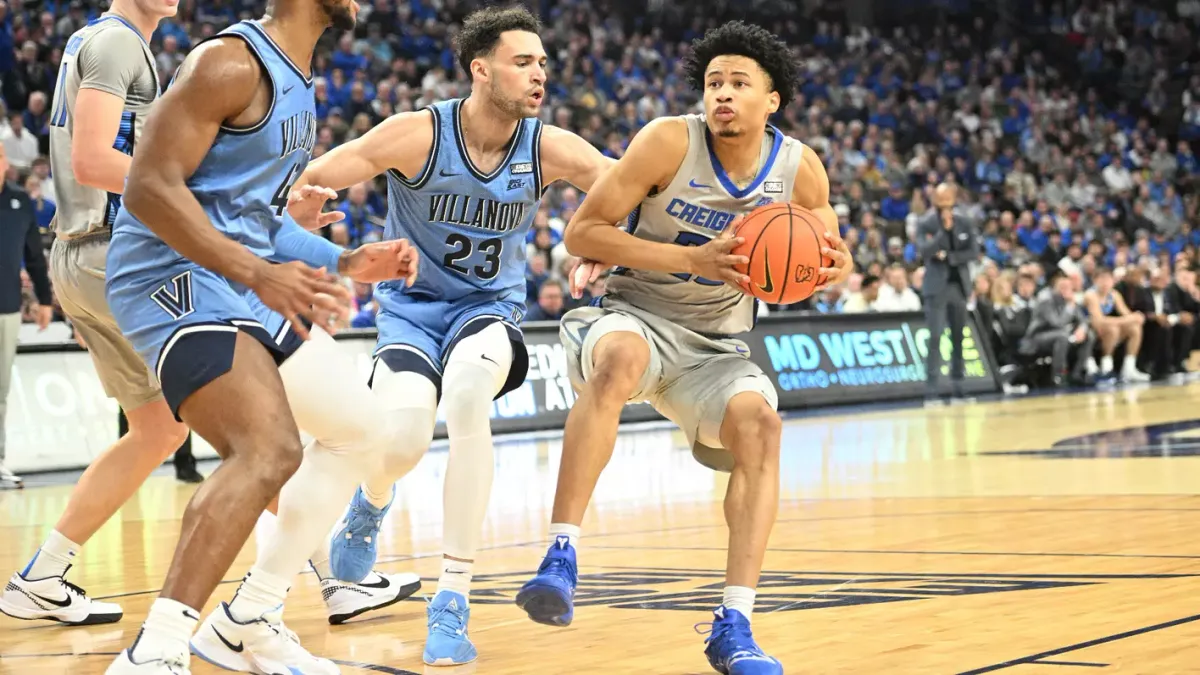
{"points": [[663, 332], [190, 286], [1114, 323], [465, 179], [108, 82]]}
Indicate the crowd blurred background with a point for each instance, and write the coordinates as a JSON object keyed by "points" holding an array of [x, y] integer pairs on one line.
{"points": [[1072, 129]]}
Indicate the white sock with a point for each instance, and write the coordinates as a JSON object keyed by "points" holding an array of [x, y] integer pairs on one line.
{"points": [[456, 576], [168, 628], [571, 532], [379, 495], [739, 598], [1106, 364], [259, 593], [52, 559]]}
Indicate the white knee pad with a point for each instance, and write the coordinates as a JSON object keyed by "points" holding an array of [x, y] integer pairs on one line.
{"points": [[475, 372], [409, 400]]}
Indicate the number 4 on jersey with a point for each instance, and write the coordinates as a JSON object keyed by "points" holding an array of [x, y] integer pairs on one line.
{"points": [[280, 200]]}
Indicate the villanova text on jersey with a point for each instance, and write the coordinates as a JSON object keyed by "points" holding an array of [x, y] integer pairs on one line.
{"points": [[483, 214], [298, 132]]}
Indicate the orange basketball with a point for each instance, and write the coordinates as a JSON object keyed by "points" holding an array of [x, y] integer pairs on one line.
{"points": [[783, 242]]}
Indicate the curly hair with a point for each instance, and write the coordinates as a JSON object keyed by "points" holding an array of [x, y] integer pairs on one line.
{"points": [[736, 38], [480, 32]]}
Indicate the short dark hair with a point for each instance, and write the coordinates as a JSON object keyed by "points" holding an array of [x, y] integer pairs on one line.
{"points": [[1101, 270], [481, 31], [736, 38]]}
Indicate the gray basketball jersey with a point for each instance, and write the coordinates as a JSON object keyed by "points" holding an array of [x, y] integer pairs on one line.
{"points": [[698, 205], [111, 56]]}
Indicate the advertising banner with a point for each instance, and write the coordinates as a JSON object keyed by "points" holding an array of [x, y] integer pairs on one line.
{"points": [[59, 417]]}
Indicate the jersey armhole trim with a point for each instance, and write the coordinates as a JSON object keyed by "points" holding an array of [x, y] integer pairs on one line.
{"points": [[262, 64], [431, 162], [537, 158]]}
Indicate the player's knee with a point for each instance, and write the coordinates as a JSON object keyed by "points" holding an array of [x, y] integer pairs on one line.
{"points": [[467, 392], [753, 432], [618, 363], [411, 434], [154, 425], [410, 404], [274, 459]]}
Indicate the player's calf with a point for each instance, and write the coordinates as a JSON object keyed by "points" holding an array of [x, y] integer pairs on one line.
{"points": [[751, 431]]}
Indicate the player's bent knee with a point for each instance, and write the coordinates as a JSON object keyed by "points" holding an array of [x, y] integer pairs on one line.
{"points": [[467, 392], [154, 424], [275, 460], [410, 402], [751, 430], [618, 363]]}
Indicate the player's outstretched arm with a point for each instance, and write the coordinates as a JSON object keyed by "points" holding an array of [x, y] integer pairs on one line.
{"points": [[401, 142], [650, 163], [217, 82], [566, 156], [811, 190]]}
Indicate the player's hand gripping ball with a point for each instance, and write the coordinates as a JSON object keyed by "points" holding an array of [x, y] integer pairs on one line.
{"points": [[783, 242]]}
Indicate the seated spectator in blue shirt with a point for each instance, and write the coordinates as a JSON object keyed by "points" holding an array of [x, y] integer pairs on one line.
{"points": [[549, 305], [363, 224], [895, 205], [365, 307], [535, 275]]}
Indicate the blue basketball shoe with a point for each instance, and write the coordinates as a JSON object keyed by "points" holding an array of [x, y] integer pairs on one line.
{"points": [[353, 549], [448, 643], [731, 648], [549, 597]]}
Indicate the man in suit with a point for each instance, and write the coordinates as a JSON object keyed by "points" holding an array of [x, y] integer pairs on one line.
{"points": [[1168, 328], [20, 242], [948, 243], [1182, 291], [1059, 329]]}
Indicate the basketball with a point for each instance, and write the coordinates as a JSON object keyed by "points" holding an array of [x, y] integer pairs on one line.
{"points": [[783, 242]]}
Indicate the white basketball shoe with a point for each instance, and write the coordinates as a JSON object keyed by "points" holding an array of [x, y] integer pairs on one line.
{"points": [[263, 646], [344, 601], [55, 599]]}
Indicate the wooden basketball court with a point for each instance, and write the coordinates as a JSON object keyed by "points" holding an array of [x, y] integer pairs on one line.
{"points": [[1056, 534]]}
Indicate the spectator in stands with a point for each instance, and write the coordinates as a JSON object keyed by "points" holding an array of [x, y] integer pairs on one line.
{"points": [[549, 303], [865, 298], [1059, 329], [1114, 324], [1026, 288], [896, 295], [20, 145]]}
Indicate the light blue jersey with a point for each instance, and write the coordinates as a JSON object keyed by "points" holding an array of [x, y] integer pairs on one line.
{"points": [[469, 228], [158, 297], [243, 181]]}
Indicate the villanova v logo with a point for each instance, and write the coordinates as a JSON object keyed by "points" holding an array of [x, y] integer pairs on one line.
{"points": [[176, 297]]}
